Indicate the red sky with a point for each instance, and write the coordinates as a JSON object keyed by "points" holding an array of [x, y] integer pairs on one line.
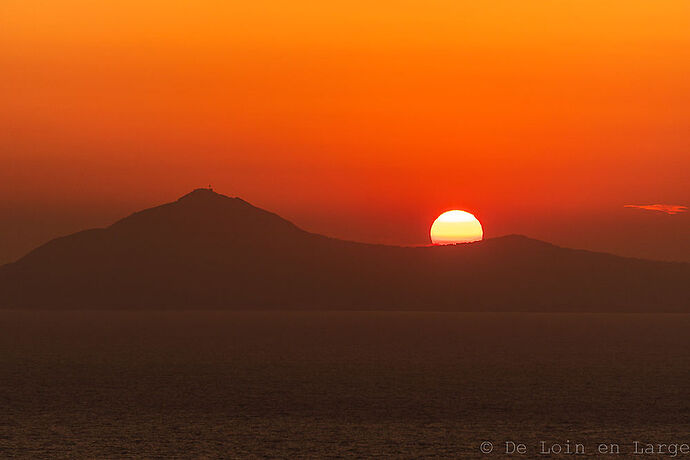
{"points": [[361, 120]]}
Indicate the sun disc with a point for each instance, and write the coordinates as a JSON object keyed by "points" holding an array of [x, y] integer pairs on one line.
{"points": [[456, 226]]}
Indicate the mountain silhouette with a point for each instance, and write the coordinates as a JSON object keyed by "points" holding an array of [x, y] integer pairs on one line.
{"points": [[208, 250]]}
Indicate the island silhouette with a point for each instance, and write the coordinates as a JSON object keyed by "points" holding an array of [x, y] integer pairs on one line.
{"points": [[211, 251]]}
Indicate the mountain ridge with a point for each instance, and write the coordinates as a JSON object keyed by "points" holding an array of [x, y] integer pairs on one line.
{"points": [[207, 250]]}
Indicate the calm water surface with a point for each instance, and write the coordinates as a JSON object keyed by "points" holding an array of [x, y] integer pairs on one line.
{"points": [[304, 384]]}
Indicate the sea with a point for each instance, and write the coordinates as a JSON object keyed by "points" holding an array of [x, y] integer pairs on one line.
{"points": [[271, 384]]}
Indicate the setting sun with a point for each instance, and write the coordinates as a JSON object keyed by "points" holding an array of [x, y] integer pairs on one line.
{"points": [[456, 227]]}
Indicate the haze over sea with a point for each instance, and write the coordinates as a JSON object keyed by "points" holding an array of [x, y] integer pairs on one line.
{"points": [[86, 384]]}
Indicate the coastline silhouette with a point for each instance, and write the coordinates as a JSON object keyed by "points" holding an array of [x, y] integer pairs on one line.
{"points": [[210, 251]]}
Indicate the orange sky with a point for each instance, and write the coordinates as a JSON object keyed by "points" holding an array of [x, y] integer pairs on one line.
{"points": [[361, 120]]}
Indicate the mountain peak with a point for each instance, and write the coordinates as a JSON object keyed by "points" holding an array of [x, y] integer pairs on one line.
{"points": [[201, 194], [203, 214]]}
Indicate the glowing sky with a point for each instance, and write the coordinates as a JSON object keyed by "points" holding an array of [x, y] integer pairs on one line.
{"points": [[358, 119]]}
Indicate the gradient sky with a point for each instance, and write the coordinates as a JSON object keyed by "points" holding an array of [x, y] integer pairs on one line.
{"points": [[358, 119]]}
